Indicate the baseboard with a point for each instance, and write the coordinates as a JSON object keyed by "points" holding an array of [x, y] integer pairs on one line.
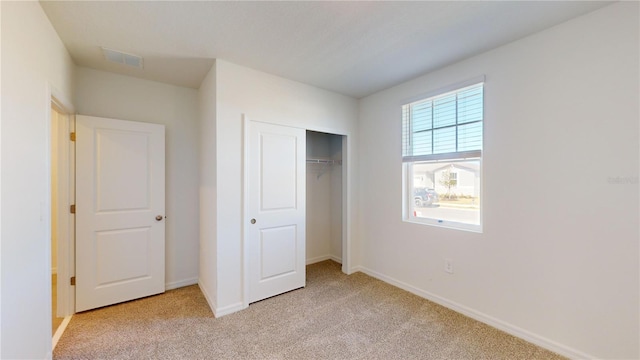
{"points": [[318, 259], [181, 283], [359, 268], [482, 317], [60, 331], [229, 309], [212, 304]]}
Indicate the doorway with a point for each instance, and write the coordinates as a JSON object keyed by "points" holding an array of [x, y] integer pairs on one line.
{"points": [[324, 216], [56, 129], [62, 162], [324, 196]]}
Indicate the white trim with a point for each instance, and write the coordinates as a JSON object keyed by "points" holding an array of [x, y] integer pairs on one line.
{"points": [[60, 331], [45, 206], [59, 99], [318, 259], [482, 317], [245, 211], [71, 245], [207, 297], [445, 224], [229, 309], [66, 186], [346, 200], [444, 157], [66, 300], [180, 283], [66, 228]]}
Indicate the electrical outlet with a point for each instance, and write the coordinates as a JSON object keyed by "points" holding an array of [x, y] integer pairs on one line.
{"points": [[448, 266]]}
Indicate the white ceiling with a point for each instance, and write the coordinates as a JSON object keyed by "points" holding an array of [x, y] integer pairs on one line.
{"points": [[353, 48]]}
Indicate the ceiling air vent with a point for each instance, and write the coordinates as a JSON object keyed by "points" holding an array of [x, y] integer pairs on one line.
{"points": [[122, 58]]}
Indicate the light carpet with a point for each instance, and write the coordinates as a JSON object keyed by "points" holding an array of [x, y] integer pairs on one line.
{"points": [[334, 317]]}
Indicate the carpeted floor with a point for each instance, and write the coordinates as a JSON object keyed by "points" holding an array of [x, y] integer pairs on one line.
{"points": [[335, 317]]}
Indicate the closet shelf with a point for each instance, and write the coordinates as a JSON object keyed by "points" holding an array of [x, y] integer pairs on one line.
{"points": [[324, 163]]}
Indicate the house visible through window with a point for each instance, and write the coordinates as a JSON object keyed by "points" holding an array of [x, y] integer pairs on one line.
{"points": [[442, 153]]}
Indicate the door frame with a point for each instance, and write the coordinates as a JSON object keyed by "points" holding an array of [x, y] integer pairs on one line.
{"points": [[346, 218], [66, 195], [65, 220]]}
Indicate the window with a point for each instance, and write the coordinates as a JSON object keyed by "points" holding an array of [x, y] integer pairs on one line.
{"points": [[442, 153], [453, 178]]}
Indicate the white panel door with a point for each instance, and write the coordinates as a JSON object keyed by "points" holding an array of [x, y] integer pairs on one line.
{"points": [[120, 174], [275, 234]]}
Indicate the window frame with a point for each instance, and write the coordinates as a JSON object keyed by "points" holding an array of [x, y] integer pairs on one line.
{"points": [[453, 178], [407, 166]]}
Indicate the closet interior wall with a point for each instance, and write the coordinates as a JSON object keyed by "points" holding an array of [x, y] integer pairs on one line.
{"points": [[324, 197]]}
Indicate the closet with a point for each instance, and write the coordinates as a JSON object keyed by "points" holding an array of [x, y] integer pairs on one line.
{"points": [[324, 197]]}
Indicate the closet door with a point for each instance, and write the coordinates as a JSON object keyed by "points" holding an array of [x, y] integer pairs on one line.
{"points": [[275, 218]]}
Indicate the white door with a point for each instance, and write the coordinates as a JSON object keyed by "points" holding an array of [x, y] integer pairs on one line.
{"points": [[275, 225], [119, 211]]}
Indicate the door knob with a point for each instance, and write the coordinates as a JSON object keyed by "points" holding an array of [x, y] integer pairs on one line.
{"points": [[159, 218], [253, 221]]}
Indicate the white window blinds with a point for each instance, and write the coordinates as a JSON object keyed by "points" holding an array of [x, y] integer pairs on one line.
{"points": [[444, 126]]}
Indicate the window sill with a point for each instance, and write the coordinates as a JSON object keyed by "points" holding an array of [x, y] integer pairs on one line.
{"points": [[445, 224]]}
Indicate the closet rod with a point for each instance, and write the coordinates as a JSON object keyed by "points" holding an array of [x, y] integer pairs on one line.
{"points": [[324, 161]]}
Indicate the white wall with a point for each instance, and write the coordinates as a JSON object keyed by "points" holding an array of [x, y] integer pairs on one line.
{"points": [[104, 94], [557, 262], [267, 98], [208, 281], [318, 215], [336, 210], [34, 62]]}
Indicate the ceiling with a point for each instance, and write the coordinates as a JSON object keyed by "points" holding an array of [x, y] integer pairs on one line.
{"points": [[353, 48]]}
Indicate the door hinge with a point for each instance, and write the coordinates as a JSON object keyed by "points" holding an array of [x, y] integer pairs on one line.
{"points": [[73, 280], [73, 209], [72, 136]]}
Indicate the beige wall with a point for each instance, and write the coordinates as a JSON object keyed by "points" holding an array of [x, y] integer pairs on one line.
{"points": [[207, 105], [34, 63], [561, 271], [557, 262], [240, 90], [103, 94]]}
